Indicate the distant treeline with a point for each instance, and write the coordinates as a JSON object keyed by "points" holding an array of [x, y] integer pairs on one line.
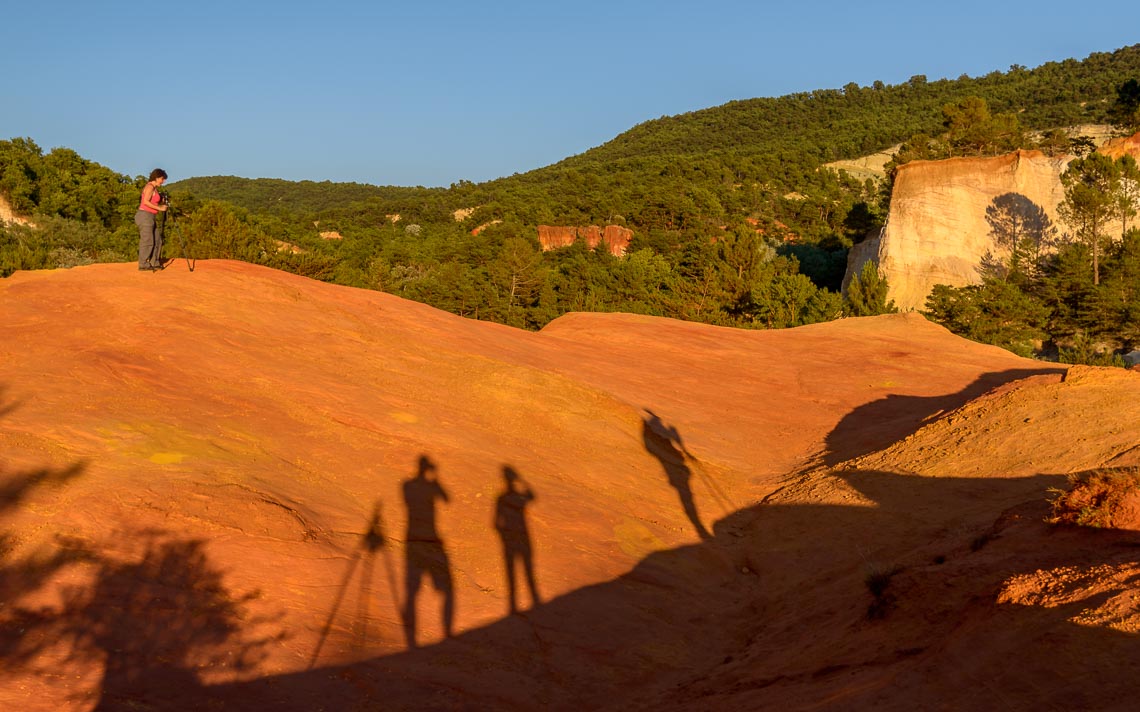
{"points": [[735, 220]]}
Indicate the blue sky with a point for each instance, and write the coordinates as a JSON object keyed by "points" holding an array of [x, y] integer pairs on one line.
{"points": [[435, 91]]}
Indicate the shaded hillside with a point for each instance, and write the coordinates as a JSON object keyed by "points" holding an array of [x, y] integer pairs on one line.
{"points": [[215, 500]]}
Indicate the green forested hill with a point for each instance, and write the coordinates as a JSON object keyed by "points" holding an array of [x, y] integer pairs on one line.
{"points": [[735, 220], [724, 163], [832, 124], [273, 195]]}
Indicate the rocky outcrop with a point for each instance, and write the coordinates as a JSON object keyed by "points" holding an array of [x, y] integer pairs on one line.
{"points": [[478, 229], [289, 247], [858, 255], [946, 216], [937, 232], [8, 216], [617, 238], [1118, 147]]}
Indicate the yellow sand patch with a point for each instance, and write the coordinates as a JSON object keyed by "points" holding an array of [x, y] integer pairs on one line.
{"points": [[635, 540], [165, 444], [167, 458], [406, 418]]}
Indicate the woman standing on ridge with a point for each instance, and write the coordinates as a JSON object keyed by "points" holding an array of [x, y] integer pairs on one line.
{"points": [[150, 236]]}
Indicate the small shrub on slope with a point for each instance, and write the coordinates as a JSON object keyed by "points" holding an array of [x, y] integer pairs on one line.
{"points": [[1107, 498]]}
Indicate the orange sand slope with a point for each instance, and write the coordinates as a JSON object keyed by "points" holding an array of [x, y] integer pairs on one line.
{"points": [[222, 489]]}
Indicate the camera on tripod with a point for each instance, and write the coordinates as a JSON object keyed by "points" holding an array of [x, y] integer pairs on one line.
{"points": [[169, 222]]}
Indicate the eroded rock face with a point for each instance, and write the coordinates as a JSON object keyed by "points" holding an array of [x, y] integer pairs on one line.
{"points": [[615, 236], [946, 216], [939, 229], [1118, 147], [8, 216]]}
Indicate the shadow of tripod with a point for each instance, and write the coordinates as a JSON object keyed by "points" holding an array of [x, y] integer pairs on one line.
{"points": [[372, 541]]}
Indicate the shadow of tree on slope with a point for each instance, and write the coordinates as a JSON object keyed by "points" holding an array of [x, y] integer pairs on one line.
{"points": [[22, 575], [153, 621]]}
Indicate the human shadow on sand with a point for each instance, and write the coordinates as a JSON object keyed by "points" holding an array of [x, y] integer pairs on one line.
{"points": [[664, 443], [774, 607], [511, 525], [424, 553], [772, 611]]}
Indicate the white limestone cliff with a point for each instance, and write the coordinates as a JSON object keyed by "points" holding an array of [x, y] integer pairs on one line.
{"points": [[937, 231]]}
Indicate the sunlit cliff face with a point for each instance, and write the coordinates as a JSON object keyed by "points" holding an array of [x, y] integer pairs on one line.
{"points": [[947, 216]]}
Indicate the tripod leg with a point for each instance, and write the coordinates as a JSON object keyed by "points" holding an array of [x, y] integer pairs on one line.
{"points": [[182, 247]]}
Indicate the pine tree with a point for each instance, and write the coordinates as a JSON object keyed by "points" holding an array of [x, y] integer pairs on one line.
{"points": [[867, 293], [1092, 186]]}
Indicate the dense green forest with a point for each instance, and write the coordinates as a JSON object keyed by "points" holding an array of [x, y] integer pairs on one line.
{"points": [[735, 219]]}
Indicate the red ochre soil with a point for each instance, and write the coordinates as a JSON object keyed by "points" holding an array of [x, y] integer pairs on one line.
{"points": [[202, 506]]}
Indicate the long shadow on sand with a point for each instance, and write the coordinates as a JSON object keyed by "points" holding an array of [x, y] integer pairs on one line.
{"points": [[511, 525], [774, 609], [882, 422], [19, 576], [152, 621], [424, 552]]}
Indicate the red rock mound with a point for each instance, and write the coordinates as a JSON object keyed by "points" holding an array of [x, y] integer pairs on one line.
{"points": [[237, 488], [616, 237]]}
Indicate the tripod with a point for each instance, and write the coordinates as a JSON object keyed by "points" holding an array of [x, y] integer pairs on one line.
{"points": [[168, 220]]}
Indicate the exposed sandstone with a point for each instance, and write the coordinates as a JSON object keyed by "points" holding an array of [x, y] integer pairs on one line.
{"points": [[283, 246], [872, 166], [1118, 147], [484, 226], [939, 231], [8, 216], [858, 255], [616, 237]]}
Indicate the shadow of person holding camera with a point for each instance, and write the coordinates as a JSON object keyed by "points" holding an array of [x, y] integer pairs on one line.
{"points": [[510, 523], [423, 547], [664, 443]]}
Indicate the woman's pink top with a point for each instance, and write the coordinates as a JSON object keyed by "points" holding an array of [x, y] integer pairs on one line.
{"points": [[155, 198]]}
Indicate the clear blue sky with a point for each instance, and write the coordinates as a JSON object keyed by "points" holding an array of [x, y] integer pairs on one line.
{"points": [[429, 92]]}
